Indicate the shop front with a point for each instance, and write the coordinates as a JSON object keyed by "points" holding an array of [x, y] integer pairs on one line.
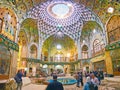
{"points": [[115, 55], [100, 66]]}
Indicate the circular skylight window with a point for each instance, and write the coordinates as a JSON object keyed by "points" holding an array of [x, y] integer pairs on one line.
{"points": [[60, 10]]}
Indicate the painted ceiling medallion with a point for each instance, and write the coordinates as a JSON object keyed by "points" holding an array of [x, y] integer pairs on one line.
{"points": [[60, 10]]}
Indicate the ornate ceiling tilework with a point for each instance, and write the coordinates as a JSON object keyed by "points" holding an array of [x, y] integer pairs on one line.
{"points": [[22, 7], [28, 3], [70, 25]]}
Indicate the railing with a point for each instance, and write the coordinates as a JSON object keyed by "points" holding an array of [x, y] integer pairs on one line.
{"points": [[51, 62], [59, 59]]}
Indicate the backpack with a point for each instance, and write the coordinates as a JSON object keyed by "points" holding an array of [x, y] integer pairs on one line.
{"points": [[17, 79], [91, 86]]}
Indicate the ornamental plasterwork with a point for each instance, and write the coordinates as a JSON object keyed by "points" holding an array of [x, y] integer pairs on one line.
{"points": [[71, 23]]}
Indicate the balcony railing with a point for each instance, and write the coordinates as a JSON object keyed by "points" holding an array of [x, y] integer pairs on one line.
{"points": [[50, 62]]}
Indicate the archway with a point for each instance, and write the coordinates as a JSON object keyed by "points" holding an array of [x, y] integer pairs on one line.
{"points": [[84, 52], [45, 68], [90, 32], [59, 48], [113, 27], [33, 51], [59, 69]]}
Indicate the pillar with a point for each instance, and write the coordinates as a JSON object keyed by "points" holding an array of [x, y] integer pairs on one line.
{"points": [[13, 66], [19, 56], [79, 49], [39, 49], [108, 61]]}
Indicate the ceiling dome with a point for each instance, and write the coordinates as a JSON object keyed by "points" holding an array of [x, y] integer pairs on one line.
{"points": [[56, 13], [60, 10], [65, 16]]}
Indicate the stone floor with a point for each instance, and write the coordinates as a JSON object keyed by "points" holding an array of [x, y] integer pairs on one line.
{"points": [[107, 84]]}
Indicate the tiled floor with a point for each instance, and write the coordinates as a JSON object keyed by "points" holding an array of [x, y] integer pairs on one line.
{"points": [[106, 85], [43, 87]]}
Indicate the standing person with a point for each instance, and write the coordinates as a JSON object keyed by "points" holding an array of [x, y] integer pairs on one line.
{"points": [[55, 85], [99, 78], [95, 81], [78, 79], [88, 85], [18, 78], [81, 78]]}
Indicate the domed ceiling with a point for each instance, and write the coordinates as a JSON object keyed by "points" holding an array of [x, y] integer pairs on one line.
{"points": [[64, 16]]}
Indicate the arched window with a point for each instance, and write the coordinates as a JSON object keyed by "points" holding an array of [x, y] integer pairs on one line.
{"points": [[96, 46], [84, 52], [33, 51]]}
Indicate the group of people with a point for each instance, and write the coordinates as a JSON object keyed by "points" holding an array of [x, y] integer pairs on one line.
{"points": [[98, 74], [93, 79], [92, 82]]}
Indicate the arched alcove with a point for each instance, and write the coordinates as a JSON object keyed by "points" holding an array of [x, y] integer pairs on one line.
{"points": [[59, 69], [28, 34], [90, 32], [84, 52], [33, 51], [59, 46], [29, 26], [113, 29]]}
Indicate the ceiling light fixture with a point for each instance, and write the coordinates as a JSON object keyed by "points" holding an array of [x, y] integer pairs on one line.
{"points": [[110, 10]]}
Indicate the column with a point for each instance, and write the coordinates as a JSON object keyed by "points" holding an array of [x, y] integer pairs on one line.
{"points": [[13, 66], [19, 56], [108, 61], [39, 49], [79, 49], [17, 32], [89, 52]]}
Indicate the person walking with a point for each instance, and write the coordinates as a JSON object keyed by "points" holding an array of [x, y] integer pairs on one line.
{"points": [[81, 79], [55, 85], [78, 75], [18, 79], [95, 81], [88, 85]]}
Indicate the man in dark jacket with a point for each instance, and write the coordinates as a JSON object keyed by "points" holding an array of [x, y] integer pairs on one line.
{"points": [[55, 85], [18, 78]]}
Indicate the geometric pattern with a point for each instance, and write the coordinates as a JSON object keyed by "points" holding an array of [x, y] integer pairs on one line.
{"points": [[70, 26]]}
